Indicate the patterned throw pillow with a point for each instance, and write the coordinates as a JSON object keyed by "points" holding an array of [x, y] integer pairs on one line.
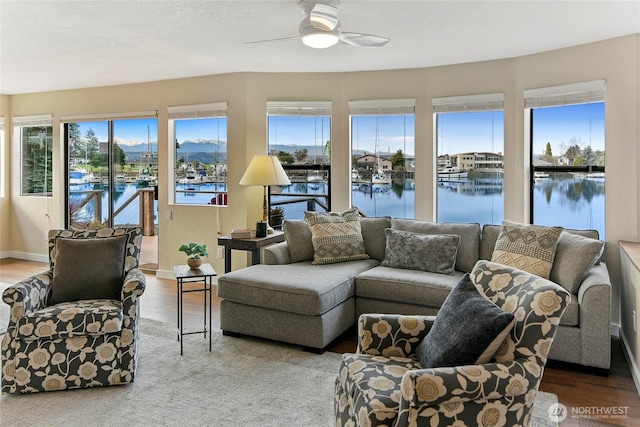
{"points": [[336, 237], [531, 248], [435, 253]]}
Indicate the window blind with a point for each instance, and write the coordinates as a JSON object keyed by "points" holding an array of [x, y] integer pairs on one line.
{"points": [[299, 108], [108, 116], [41, 120], [380, 107], [570, 94], [469, 103], [199, 111]]}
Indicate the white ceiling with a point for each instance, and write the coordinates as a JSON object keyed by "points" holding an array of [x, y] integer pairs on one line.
{"points": [[63, 44]]}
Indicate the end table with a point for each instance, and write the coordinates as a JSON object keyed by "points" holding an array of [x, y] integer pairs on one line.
{"points": [[185, 275]]}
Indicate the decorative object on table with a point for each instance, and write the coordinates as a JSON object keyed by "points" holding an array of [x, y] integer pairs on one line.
{"points": [[276, 216], [261, 228], [194, 252], [83, 331], [243, 233], [265, 170]]}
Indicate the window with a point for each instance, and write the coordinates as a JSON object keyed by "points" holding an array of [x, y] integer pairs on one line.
{"points": [[300, 136], [2, 158], [199, 149], [35, 136], [470, 169], [383, 157], [568, 155]]}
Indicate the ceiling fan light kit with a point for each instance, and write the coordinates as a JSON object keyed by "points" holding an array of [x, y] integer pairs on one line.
{"points": [[320, 28]]}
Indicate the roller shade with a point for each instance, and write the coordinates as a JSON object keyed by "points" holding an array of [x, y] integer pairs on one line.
{"points": [[570, 94], [41, 120], [199, 111], [380, 107], [108, 116], [299, 108], [469, 103]]}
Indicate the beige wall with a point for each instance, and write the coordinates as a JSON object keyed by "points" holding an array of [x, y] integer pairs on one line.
{"points": [[617, 61], [5, 206]]}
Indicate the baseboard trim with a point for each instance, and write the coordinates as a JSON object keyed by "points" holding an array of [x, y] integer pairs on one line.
{"points": [[633, 367], [165, 274], [615, 330], [25, 256]]}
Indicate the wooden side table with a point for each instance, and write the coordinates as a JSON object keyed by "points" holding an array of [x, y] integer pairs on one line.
{"points": [[253, 245], [185, 275]]}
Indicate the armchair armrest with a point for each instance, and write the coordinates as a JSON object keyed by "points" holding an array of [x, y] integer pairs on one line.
{"points": [[424, 389], [133, 286], [277, 254], [391, 335], [27, 296]]}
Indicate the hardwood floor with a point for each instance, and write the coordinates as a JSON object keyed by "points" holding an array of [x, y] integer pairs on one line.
{"points": [[580, 391]]}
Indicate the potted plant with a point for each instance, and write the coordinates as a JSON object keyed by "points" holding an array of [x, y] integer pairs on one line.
{"points": [[194, 252], [276, 215]]}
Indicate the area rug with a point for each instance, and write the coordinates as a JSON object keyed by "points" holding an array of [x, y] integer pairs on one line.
{"points": [[241, 382]]}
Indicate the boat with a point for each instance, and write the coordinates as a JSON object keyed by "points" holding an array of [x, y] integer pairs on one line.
{"points": [[538, 176], [316, 177], [190, 177], [451, 172], [79, 176], [380, 178], [146, 178]]}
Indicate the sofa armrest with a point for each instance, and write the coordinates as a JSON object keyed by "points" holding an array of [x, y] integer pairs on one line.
{"points": [[277, 254], [594, 300], [27, 296], [391, 335], [423, 390]]}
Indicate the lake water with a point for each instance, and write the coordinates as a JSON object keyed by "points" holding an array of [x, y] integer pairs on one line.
{"points": [[571, 202]]}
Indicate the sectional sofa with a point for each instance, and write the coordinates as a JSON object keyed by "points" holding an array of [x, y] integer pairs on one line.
{"points": [[289, 299]]}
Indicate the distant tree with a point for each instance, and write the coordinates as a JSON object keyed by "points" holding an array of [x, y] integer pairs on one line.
{"points": [[285, 157], [548, 154], [573, 152], [588, 156], [92, 143], [119, 156], [397, 160], [98, 160], [327, 150], [300, 155], [76, 147]]}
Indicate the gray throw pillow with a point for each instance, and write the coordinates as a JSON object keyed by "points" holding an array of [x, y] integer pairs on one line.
{"points": [[435, 253], [575, 255], [88, 269], [298, 237], [465, 327], [336, 236]]}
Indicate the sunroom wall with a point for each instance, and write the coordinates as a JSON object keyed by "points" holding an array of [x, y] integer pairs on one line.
{"points": [[614, 60]]}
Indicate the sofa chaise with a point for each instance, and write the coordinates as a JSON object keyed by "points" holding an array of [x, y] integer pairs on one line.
{"points": [[289, 299]]}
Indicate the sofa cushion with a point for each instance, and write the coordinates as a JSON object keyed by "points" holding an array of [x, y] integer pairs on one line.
{"points": [[298, 288], [488, 242], [468, 329], [469, 233], [88, 269], [575, 255], [373, 235], [336, 236], [298, 237], [435, 253], [531, 248], [406, 286]]}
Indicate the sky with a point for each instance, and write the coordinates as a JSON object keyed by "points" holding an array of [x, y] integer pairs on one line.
{"points": [[456, 132]]}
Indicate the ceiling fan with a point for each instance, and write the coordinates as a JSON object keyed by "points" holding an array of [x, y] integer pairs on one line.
{"points": [[320, 28]]}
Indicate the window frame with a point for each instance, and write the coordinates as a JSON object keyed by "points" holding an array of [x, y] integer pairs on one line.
{"points": [[19, 124], [214, 110]]}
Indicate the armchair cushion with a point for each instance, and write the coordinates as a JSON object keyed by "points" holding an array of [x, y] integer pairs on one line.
{"points": [[88, 269], [531, 248], [435, 253], [468, 329], [72, 319]]}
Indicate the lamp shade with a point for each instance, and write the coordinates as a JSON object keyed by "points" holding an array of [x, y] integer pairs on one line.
{"points": [[265, 170]]}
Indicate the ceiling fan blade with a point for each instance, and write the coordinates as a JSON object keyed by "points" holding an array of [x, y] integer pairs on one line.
{"points": [[324, 16], [363, 40], [273, 40]]}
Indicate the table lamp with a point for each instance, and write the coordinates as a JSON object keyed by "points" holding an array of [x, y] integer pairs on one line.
{"points": [[265, 170]]}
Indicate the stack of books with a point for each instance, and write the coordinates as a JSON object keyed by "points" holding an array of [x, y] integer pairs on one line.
{"points": [[242, 233]]}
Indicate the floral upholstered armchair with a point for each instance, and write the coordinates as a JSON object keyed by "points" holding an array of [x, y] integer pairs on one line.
{"points": [[59, 337], [383, 384]]}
